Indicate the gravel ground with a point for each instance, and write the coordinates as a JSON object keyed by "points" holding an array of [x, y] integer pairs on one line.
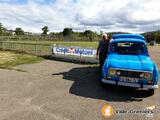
{"points": [[53, 90], [154, 52]]}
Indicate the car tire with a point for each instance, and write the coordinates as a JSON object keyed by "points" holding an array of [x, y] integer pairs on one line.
{"points": [[151, 91]]}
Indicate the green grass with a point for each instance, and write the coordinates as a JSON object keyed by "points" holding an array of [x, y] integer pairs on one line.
{"points": [[42, 47], [10, 59], [65, 43]]}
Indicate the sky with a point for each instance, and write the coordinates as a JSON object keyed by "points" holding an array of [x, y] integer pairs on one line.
{"points": [[97, 15]]}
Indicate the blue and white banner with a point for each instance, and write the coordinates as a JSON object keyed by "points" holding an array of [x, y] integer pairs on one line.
{"points": [[86, 52]]}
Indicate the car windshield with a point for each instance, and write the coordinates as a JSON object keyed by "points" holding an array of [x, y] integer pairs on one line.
{"points": [[128, 47]]}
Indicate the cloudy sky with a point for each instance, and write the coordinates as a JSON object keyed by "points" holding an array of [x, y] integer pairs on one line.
{"points": [[98, 15]]}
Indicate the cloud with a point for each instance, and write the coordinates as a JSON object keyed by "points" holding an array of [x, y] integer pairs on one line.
{"points": [[129, 15], [98, 15]]}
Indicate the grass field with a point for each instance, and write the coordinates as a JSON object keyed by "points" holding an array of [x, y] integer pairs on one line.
{"points": [[65, 43], [42, 47], [10, 59]]}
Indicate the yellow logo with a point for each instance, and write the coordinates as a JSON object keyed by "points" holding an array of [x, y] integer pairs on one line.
{"points": [[107, 111]]}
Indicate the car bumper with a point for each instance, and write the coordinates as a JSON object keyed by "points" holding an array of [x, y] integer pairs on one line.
{"points": [[135, 85]]}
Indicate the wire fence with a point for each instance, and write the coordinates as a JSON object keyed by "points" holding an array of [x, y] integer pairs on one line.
{"points": [[44, 50], [31, 48], [48, 38]]}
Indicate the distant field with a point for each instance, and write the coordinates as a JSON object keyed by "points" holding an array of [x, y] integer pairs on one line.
{"points": [[65, 43], [41, 47]]}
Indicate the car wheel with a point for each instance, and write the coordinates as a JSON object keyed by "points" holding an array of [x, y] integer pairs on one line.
{"points": [[151, 91]]}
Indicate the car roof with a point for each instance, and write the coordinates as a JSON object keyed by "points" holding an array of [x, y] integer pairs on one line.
{"points": [[128, 38], [117, 36]]}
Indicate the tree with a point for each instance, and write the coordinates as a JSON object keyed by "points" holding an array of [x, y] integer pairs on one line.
{"points": [[89, 34], [5, 32], [157, 36], [45, 30], [67, 31], [19, 31], [1, 29], [101, 33]]}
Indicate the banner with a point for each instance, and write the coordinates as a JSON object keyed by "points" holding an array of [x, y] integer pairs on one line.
{"points": [[86, 52]]}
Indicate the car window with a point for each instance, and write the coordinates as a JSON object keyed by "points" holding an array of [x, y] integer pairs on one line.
{"points": [[128, 47]]}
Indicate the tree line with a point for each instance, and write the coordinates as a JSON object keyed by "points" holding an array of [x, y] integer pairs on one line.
{"points": [[69, 34], [66, 33], [152, 36]]}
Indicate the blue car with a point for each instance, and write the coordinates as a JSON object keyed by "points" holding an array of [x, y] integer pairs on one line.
{"points": [[129, 64]]}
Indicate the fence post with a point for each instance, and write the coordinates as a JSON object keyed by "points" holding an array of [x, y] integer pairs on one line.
{"points": [[53, 48], [64, 52], [11, 46], [35, 48], [80, 55]]}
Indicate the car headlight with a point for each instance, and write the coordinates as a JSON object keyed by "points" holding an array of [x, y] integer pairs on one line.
{"points": [[112, 72], [148, 75]]}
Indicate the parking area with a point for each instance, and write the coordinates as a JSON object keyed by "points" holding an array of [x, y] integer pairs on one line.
{"points": [[54, 90]]}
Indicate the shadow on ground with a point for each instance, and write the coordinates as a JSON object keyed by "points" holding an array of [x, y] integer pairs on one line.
{"points": [[86, 85]]}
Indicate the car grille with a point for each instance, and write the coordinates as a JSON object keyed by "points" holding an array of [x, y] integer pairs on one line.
{"points": [[133, 74]]}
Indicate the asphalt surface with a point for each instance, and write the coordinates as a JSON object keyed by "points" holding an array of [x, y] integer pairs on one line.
{"points": [[52, 90]]}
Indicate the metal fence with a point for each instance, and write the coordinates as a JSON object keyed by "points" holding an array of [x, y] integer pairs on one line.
{"points": [[48, 38], [45, 50], [32, 48]]}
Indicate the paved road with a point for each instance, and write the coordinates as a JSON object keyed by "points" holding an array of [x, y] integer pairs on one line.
{"points": [[52, 90]]}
